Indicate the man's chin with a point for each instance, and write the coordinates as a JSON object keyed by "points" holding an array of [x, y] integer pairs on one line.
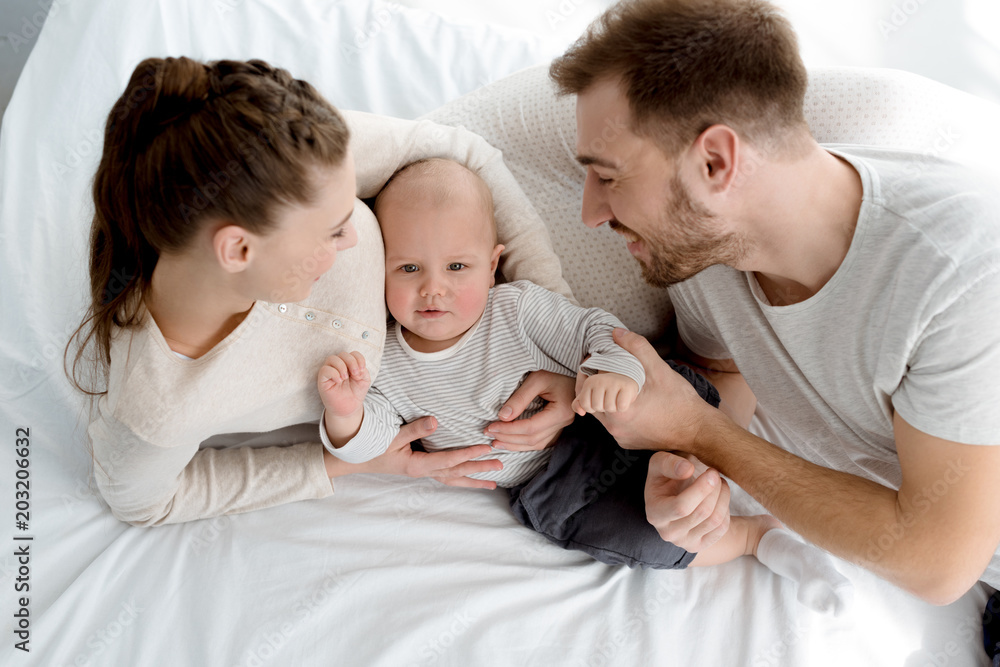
{"points": [[660, 277]]}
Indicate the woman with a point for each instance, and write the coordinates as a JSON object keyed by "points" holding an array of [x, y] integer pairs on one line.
{"points": [[224, 194]]}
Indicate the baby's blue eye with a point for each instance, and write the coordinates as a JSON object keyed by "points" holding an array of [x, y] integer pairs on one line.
{"points": [[409, 268], [456, 266]]}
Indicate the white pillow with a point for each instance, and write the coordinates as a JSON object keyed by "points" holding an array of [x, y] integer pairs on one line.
{"points": [[536, 131]]}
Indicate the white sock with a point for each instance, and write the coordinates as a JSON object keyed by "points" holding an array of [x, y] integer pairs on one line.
{"points": [[821, 587]]}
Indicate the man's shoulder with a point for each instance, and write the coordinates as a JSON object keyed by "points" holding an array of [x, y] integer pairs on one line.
{"points": [[908, 180], [925, 208]]}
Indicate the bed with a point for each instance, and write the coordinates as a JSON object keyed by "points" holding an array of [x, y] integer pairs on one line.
{"points": [[388, 571]]}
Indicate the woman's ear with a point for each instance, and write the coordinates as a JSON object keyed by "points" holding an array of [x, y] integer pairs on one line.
{"points": [[494, 262], [231, 245]]}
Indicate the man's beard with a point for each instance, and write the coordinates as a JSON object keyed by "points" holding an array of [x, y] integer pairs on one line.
{"points": [[692, 243]]}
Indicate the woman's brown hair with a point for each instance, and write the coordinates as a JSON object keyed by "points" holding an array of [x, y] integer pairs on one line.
{"points": [[189, 141], [684, 65]]}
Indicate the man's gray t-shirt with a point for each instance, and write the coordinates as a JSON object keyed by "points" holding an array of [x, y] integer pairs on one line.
{"points": [[910, 322]]}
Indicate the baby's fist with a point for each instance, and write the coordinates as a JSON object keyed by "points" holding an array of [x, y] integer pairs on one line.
{"points": [[343, 383], [605, 392]]}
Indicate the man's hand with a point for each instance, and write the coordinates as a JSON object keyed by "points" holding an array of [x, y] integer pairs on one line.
{"points": [[687, 503], [604, 392], [668, 411], [448, 467], [543, 429]]}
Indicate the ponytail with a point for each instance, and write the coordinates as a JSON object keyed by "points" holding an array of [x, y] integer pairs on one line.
{"points": [[184, 143]]}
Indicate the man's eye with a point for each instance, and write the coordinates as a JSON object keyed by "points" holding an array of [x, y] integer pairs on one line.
{"points": [[409, 268], [456, 266], [603, 181]]}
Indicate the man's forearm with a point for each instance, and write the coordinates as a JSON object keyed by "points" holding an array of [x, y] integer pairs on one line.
{"points": [[851, 517], [738, 401]]}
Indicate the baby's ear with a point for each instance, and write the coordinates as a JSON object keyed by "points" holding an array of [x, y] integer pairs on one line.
{"points": [[494, 261]]}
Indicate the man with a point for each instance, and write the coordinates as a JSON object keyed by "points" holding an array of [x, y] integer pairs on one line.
{"points": [[858, 301]]}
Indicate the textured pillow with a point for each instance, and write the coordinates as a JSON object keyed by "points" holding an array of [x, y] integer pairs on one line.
{"points": [[536, 130]]}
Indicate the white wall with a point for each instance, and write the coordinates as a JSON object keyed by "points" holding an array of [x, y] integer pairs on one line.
{"points": [[956, 42], [20, 21]]}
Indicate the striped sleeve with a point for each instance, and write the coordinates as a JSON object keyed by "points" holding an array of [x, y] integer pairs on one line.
{"points": [[379, 426], [562, 331]]}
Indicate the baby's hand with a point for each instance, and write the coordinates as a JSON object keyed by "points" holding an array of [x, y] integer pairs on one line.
{"points": [[605, 392], [343, 383]]}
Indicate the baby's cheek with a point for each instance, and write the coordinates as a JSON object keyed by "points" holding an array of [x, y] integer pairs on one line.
{"points": [[396, 299], [470, 301]]}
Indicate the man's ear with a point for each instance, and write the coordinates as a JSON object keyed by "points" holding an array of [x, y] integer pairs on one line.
{"points": [[233, 248], [494, 262], [716, 155]]}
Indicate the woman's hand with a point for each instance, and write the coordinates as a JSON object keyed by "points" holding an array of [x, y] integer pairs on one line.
{"points": [[449, 467], [543, 429]]}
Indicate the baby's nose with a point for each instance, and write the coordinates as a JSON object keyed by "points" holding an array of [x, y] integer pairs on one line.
{"points": [[432, 286]]}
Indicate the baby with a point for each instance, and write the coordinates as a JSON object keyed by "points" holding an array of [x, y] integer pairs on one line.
{"points": [[460, 346]]}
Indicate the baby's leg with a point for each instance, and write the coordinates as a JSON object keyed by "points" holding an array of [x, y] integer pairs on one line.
{"points": [[742, 538], [820, 586]]}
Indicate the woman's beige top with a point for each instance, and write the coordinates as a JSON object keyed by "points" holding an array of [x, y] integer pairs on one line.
{"points": [[148, 430]]}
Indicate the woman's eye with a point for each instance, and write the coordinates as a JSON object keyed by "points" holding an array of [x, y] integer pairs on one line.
{"points": [[409, 268], [339, 234], [456, 266]]}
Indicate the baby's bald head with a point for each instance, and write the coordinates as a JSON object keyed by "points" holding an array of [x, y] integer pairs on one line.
{"points": [[436, 183]]}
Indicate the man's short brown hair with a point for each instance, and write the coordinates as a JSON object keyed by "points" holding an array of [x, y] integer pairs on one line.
{"points": [[685, 65]]}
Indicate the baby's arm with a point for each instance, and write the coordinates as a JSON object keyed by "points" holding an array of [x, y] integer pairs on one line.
{"points": [[610, 376], [343, 383], [359, 422], [605, 391]]}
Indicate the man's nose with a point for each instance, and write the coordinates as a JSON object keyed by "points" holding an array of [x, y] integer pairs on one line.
{"points": [[595, 210]]}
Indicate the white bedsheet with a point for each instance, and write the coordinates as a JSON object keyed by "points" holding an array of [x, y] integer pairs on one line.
{"points": [[388, 571]]}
